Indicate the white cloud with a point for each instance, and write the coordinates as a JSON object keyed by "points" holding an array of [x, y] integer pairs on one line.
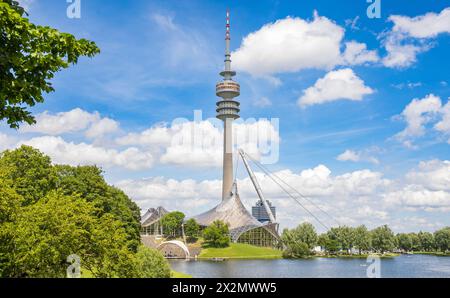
{"points": [[400, 55], [156, 135], [356, 53], [289, 45], [433, 174], [356, 156], [72, 121], [409, 36], [63, 152], [200, 143], [6, 142], [444, 125], [424, 26], [349, 155], [359, 197], [102, 127], [417, 114], [417, 197], [335, 85], [293, 44]]}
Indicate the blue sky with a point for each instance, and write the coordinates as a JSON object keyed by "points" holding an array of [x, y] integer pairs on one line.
{"points": [[347, 137]]}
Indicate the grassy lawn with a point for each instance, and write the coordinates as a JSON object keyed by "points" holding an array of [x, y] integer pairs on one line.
{"points": [[433, 253], [241, 251], [175, 274]]}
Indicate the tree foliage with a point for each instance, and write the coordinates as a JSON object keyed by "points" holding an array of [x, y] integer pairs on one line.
{"points": [[171, 223], [299, 241], [362, 239], [30, 55], [192, 229], [383, 239], [442, 239], [48, 213], [217, 234], [151, 264]]}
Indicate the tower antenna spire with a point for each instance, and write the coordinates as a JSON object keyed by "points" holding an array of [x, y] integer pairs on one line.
{"points": [[228, 109], [227, 48]]}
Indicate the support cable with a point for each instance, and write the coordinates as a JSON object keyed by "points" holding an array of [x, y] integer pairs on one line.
{"points": [[296, 200], [292, 188]]}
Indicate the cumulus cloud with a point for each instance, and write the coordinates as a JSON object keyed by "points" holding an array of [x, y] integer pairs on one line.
{"points": [[71, 153], [6, 142], [444, 124], [417, 197], [289, 45], [200, 143], [356, 53], [292, 44], [420, 112], [433, 174], [424, 26], [356, 156], [335, 85], [76, 120], [410, 36], [426, 188], [357, 197], [349, 155], [102, 127]]}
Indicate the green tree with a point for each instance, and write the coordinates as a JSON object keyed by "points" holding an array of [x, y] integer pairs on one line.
{"points": [[50, 212], [192, 229], [442, 239], [362, 239], [383, 239], [305, 233], [300, 241], [426, 240], [415, 242], [30, 171], [329, 245], [296, 250], [151, 264], [404, 241], [57, 226], [30, 57], [344, 235], [88, 183], [171, 223], [217, 234]]}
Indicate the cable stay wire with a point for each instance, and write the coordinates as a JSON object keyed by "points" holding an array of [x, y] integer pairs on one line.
{"points": [[267, 171], [273, 176], [296, 200]]}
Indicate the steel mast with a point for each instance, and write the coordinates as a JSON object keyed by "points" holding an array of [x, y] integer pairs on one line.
{"points": [[257, 187]]}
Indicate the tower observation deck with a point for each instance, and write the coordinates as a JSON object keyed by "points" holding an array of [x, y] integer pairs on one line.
{"points": [[227, 110], [244, 228]]}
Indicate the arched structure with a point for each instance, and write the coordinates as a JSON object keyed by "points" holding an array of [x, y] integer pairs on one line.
{"points": [[174, 249], [244, 228]]}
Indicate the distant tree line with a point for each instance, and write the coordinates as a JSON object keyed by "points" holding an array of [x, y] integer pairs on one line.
{"points": [[49, 212], [301, 241]]}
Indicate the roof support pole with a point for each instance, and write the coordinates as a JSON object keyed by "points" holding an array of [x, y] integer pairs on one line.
{"points": [[257, 186]]}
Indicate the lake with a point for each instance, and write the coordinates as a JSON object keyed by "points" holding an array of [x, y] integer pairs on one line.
{"points": [[401, 266]]}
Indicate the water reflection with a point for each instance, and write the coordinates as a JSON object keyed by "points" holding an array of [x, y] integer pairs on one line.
{"points": [[401, 266]]}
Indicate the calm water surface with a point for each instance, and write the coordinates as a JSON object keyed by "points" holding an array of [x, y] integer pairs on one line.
{"points": [[401, 266]]}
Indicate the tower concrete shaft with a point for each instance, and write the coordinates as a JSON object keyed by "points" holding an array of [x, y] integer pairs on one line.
{"points": [[227, 111]]}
